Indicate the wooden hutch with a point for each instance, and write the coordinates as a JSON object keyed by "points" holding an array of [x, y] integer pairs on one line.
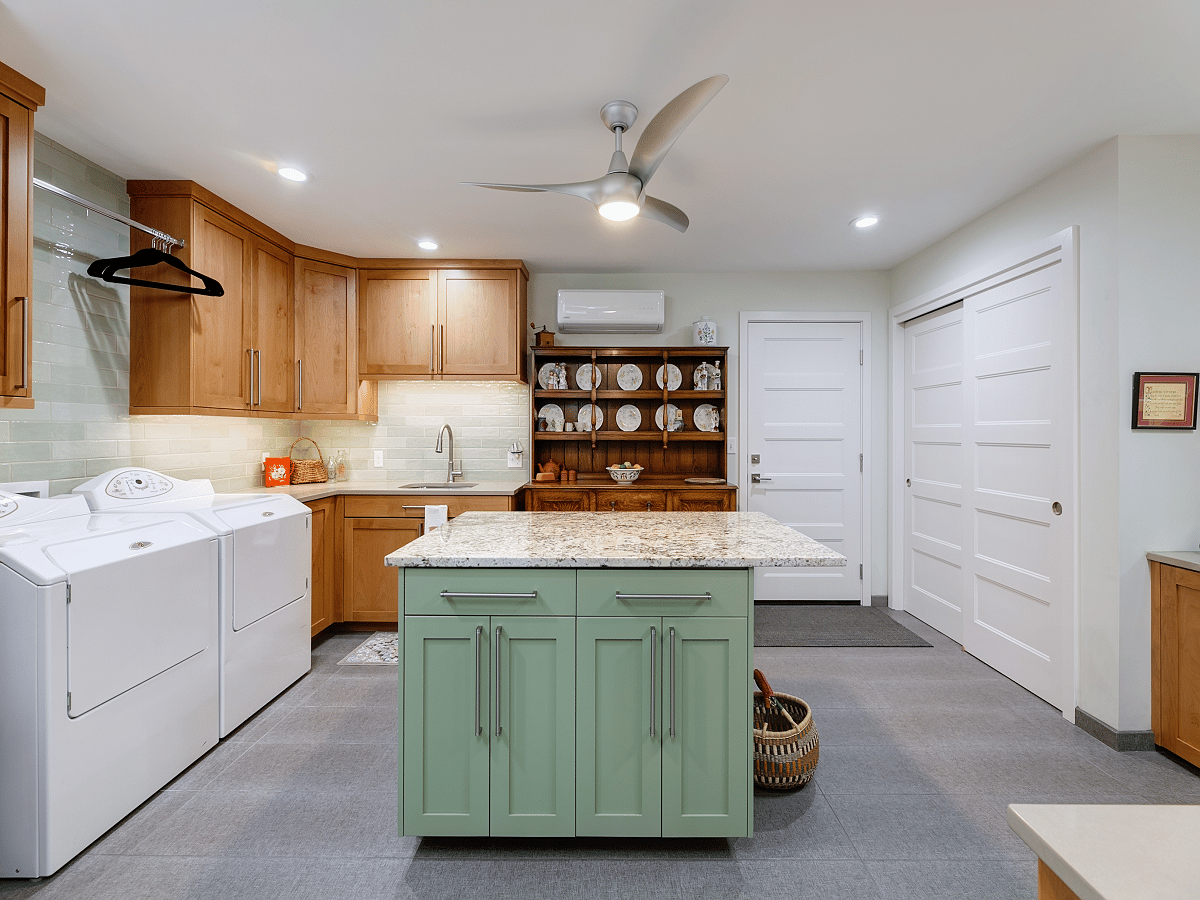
{"points": [[668, 458]]}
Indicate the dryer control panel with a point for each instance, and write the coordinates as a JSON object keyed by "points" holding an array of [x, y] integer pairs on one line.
{"points": [[131, 487], [138, 485]]}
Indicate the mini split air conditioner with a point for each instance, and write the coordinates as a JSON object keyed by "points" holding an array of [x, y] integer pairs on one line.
{"points": [[617, 312]]}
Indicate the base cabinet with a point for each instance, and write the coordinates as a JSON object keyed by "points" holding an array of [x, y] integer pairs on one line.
{"points": [[490, 698], [324, 565], [1175, 660], [629, 718]]}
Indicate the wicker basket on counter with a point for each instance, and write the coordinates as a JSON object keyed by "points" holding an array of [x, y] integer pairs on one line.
{"points": [[308, 471]]}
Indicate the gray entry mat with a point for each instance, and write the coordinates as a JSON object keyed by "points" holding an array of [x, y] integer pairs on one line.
{"points": [[827, 625]]}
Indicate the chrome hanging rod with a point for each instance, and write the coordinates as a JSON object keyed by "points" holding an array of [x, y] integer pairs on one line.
{"points": [[160, 237]]}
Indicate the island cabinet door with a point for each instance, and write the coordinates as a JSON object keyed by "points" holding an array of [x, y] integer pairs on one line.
{"points": [[619, 727], [533, 726], [706, 740], [444, 745]]}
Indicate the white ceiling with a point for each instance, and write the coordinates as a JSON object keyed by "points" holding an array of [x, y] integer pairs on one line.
{"points": [[928, 112]]}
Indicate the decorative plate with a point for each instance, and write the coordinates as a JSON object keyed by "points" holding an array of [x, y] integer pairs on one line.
{"points": [[584, 373], [706, 417], [675, 418], [585, 417], [553, 415], [674, 377], [628, 418], [545, 373], [629, 377]]}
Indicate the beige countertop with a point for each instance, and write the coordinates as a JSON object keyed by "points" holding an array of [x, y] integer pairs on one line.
{"points": [[1183, 559], [1115, 852], [667, 540], [308, 492]]}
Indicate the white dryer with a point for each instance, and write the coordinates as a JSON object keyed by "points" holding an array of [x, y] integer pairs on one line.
{"points": [[266, 562], [108, 670]]}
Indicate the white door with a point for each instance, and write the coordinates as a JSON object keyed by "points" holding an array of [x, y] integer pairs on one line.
{"points": [[933, 467], [804, 389], [1019, 436]]}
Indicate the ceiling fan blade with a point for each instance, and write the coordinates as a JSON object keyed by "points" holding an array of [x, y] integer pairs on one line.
{"points": [[664, 128], [662, 211], [585, 189]]}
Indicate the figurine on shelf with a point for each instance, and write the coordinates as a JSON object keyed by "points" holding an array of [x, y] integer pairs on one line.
{"points": [[714, 381], [702, 377], [560, 376]]}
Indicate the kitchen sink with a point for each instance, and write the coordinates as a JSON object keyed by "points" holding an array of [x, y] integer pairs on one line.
{"points": [[438, 485]]}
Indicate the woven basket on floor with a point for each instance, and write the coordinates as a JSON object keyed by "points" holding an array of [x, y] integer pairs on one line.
{"points": [[785, 740], [308, 471]]}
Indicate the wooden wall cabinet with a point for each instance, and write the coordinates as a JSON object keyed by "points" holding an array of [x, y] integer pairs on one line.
{"points": [[326, 318], [1175, 659], [443, 322], [19, 98]]}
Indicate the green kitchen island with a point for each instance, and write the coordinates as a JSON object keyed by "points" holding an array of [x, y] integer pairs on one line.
{"points": [[583, 674]]}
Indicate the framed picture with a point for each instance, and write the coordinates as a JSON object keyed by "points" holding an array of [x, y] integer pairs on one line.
{"points": [[1164, 400]]}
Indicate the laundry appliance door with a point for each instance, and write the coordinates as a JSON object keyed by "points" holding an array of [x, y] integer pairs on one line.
{"points": [[272, 556]]}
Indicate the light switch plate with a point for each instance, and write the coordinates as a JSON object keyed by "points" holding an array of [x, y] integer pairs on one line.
{"points": [[731, 444], [514, 460], [379, 459]]}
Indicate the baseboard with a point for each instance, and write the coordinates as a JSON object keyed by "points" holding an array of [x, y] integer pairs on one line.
{"points": [[879, 599], [1118, 740]]}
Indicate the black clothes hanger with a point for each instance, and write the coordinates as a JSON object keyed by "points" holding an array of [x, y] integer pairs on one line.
{"points": [[104, 269]]}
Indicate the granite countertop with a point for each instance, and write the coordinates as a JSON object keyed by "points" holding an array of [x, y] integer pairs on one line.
{"points": [[665, 540], [1183, 559], [1115, 852], [308, 492]]}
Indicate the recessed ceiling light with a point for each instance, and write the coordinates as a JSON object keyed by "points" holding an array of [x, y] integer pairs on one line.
{"points": [[292, 174], [865, 221], [427, 245]]}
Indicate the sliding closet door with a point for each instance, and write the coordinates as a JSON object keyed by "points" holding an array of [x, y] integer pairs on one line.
{"points": [[1019, 338], [933, 468]]}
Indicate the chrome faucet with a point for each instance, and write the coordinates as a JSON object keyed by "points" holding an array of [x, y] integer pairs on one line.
{"points": [[450, 470]]}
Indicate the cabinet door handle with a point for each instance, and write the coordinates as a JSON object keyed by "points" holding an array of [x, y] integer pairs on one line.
{"points": [[705, 597], [258, 366], [299, 384], [478, 641], [647, 506], [432, 349], [497, 679], [672, 682], [250, 356], [24, 343], [653, 653], [454, 595], [442, 348]]}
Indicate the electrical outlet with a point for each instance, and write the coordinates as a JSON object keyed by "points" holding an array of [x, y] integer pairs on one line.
{"points": [[379, 459]]}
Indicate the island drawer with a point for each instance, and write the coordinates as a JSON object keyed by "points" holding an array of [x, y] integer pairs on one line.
{"points": [[664, 592], [454, 592]]}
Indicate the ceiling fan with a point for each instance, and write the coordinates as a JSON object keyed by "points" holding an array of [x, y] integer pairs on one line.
{"points": [[621, 193]]}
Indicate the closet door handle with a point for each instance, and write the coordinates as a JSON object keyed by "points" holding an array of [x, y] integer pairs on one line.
{"points": [[653, 654], [497, 686], [24, 343], [478, 642], [672, 682]]}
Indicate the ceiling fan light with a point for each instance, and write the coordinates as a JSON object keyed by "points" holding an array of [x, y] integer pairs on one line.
{"points": [[619, 210]]}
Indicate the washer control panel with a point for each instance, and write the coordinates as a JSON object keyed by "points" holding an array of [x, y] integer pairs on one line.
{"points": [[138, 484]]}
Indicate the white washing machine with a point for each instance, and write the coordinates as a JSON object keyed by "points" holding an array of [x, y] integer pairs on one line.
{"points": [[108, 670], [265, 563]]}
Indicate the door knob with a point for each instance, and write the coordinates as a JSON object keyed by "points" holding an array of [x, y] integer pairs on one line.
{"points": [[908, 482], [1056, 508], [755, 478]]}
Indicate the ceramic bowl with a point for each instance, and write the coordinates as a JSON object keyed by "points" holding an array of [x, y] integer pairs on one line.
{"points": [[624, 476]]}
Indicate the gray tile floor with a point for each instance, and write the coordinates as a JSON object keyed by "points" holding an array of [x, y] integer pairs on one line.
{"points": [[921, 750]]}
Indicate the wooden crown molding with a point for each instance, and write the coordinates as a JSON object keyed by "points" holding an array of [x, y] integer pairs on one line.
{"points": [[25, 91]]}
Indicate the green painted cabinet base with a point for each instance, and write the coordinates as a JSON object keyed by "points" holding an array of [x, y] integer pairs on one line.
{"points": [[627, 721]]}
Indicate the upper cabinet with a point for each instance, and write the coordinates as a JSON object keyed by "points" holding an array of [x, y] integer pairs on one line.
{"points": [[449, 320], [326, 332], [19, 97]]}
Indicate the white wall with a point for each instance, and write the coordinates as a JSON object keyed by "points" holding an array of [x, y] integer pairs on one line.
{"points": [[1159, 289], [1137, 203], [721, 296]]}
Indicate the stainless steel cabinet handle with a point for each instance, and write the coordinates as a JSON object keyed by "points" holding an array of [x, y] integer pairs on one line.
{"points": [[250, 354], [612, 504], [478, 641], [454, 595], [706, 596], [672, 682], [24, 370], [258, 365], [299, 384], [497, 679], [653, 653], [647, 506], [442, 348]]}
